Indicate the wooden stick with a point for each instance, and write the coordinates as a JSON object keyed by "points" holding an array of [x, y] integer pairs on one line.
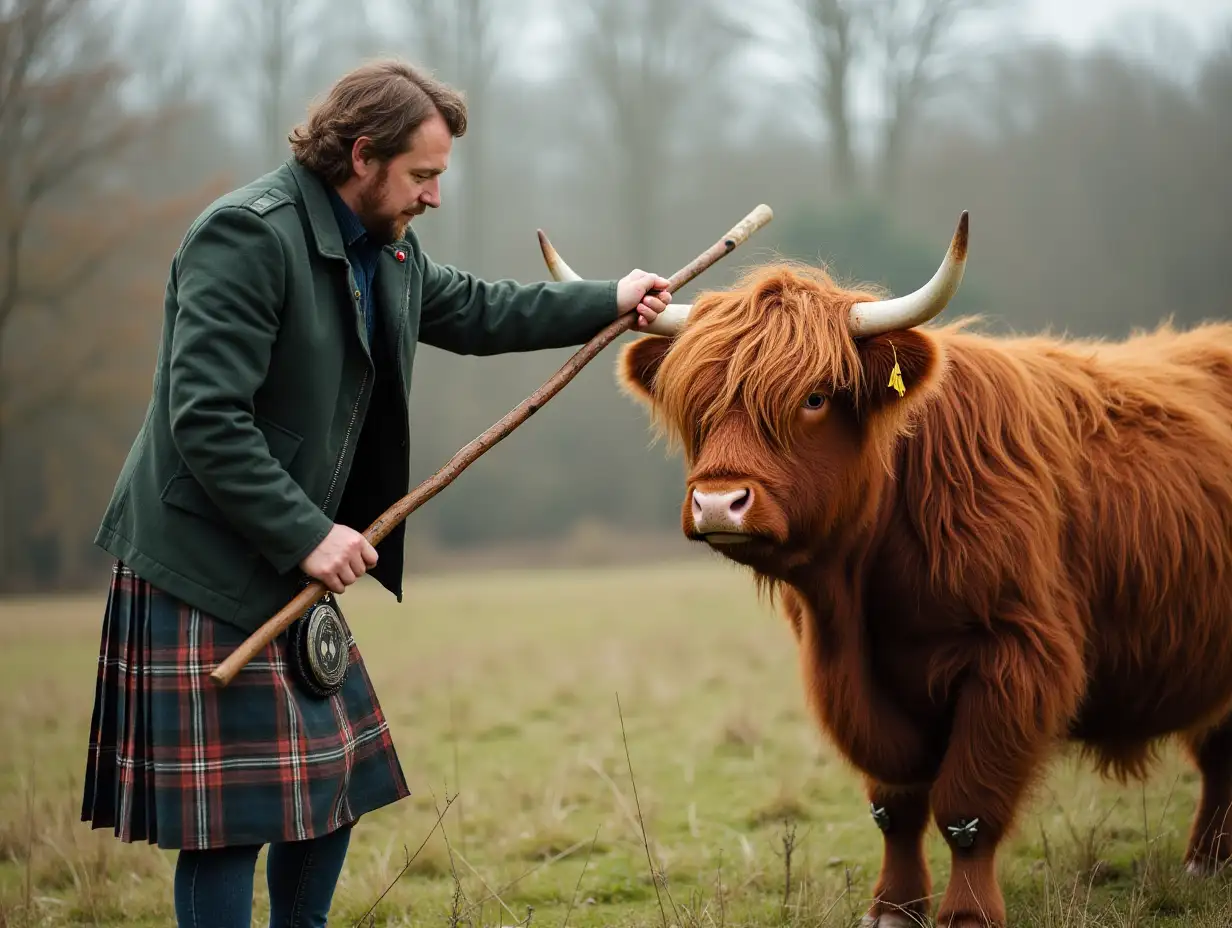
{"points": [[225, 672]]}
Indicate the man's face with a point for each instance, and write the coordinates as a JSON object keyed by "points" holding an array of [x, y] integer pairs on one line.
{"points": [[392, 193]]}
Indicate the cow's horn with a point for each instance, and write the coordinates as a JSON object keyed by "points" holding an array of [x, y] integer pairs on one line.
{"points": [[556, 264], [667, 323], [916, 308]]}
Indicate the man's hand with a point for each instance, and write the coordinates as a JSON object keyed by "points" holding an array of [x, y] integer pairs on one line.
{"points": [[632, 290], [342, 557]]}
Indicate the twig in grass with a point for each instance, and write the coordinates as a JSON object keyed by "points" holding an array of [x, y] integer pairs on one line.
{"points": [[514, 882], [1163, 813], [616, 793], [457, 777], [1046, 847], [841, 896], [455, 901], [492, 893], [28, 900], [459, 895], [1146, 822], [789, 847], [585, 864], [642, 822], [405, 867], [1087, 847]]}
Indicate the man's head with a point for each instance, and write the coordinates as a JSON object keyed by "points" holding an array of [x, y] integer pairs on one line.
{"points": [[382, 137]]}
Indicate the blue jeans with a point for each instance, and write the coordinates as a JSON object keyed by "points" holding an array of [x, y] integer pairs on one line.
{"points": [[213, 889]]}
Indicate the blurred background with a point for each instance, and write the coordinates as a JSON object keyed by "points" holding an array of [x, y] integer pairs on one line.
{"points": [[1092, 143]]}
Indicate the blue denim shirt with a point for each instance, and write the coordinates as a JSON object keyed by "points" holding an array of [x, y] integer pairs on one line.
{"points": [[361, 251]]}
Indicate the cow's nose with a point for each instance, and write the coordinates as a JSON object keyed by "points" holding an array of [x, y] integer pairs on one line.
{"points": [[720, 512]]}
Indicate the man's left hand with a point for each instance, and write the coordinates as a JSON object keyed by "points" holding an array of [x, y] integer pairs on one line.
{"points": [[633, 291]]}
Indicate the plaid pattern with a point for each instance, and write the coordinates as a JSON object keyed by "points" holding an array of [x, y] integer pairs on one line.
{"points": [[175, 760]]}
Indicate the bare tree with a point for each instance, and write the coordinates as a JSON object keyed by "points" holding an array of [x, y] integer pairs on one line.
{"points": [[463, 42], [906, 50], [155, 38], [643, 63], [283, 51], [62, 217], [833, 42], [919, 47], [276, 38]]}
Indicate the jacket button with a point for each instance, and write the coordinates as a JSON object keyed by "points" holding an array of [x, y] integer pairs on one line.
{"points": [[400, 255], [358, 295]]}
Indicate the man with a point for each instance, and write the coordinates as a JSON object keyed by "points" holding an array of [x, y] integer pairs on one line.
{"points": [[276, 433]]}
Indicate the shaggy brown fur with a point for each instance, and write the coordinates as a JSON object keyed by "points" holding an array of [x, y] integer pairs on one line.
{"points": [[1032, 545]]}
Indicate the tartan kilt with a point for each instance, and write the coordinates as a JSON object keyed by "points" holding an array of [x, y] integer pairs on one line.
{"points": [[179, 762]]}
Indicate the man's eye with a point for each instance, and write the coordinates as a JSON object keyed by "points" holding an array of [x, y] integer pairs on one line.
{"points": [[814, 401]]}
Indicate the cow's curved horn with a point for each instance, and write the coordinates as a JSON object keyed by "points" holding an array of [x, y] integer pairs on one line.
{"points": [[556, 264], [667, 323], [916, 308]]}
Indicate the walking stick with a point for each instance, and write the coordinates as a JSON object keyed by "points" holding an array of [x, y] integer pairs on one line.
{"points": [[739, 233]]}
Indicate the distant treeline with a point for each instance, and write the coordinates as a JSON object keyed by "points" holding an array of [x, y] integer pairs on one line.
{"points": [[634, 132]]}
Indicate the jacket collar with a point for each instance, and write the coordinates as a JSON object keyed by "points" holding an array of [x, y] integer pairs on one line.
{"points": [[349, 225], [320, 213]]}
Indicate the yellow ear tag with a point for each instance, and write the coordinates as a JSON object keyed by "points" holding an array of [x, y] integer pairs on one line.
{"points": [[896, 375]]}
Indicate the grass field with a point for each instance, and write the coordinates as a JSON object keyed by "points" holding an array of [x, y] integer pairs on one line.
{"points": [[506, 691]]}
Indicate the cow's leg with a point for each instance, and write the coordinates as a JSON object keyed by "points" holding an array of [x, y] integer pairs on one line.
{"points": [[1009, 712], [1210, 839], [900, 899]]}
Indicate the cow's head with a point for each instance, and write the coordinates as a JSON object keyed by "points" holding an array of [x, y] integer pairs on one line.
{"points": [[781, 393]]}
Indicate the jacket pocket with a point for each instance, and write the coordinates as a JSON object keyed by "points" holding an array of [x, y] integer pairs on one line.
{"points": [[184, 492], [283, 443]]}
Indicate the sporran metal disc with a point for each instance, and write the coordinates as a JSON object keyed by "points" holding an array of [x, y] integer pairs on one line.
{"points": [[318, 649]]}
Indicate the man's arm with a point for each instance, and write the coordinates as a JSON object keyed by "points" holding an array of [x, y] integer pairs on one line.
{"points": [[230, 278], [466, 315]]}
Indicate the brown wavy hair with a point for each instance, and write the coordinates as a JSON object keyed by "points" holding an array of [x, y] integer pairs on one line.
{"points": [[384, 100]]}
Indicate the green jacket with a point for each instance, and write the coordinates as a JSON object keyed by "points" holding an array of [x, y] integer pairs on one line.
{"points": [[271, 418]]}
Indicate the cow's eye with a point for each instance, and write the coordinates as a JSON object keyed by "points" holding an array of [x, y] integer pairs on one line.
{"points": [[814, 401]]}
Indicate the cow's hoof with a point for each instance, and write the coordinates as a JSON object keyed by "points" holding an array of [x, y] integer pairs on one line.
{"points": [[1204, 867], [894, 920]]}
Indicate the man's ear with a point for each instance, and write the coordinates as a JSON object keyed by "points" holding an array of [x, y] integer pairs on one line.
{"points": [[639, 363], [361, 156], [908, 361]]}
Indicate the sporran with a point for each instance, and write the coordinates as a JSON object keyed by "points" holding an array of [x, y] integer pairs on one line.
{"points": [[317, 649]]}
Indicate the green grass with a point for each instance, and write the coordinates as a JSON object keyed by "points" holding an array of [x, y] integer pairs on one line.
{"points": [[503, 693]]}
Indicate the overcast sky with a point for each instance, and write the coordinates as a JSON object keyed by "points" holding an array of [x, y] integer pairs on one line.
{"points": [[1084, 22], [1128, 25], [1079, 22]]}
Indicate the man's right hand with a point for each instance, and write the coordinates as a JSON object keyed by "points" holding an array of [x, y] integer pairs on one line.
{"points": [[342, 557]]}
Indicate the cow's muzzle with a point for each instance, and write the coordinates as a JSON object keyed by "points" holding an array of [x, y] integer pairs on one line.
{"points": [[719, 516]]}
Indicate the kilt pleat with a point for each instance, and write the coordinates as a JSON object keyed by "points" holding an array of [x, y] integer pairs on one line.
{"points": [[178, 762]]}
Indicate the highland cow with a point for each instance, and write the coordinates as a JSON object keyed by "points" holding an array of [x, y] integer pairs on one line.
{"points": [[984, 546]]}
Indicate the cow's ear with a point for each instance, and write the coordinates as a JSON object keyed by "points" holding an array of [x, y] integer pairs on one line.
{"points": [[639, 363], [898, 367]]}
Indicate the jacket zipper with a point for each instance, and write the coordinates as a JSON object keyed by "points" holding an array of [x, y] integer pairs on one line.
{"points": [[346, 440]]}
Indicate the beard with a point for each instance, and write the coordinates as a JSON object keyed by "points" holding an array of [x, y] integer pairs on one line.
{"points": [[382, 227]]}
